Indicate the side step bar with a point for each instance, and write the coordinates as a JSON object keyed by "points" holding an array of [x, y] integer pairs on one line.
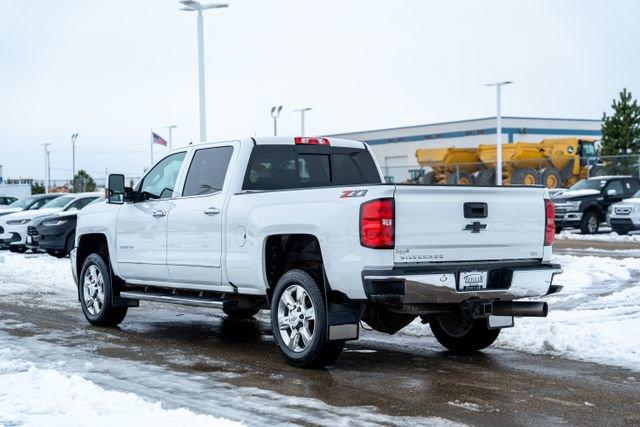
{"points": [[171, 299]]}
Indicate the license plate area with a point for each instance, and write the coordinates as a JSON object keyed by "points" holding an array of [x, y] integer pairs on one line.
{"points": [[469, 281]]}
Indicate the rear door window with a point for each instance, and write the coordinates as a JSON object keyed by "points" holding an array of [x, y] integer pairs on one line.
{"points": [[278, 167], [207, 171]]}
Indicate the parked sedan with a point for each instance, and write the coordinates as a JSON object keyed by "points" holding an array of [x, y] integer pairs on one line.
{"points": [[56, 233], [15, 225], [7, 200], [29, 203]]}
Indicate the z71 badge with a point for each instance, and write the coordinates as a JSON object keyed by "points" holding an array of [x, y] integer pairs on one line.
{"points": [[352, 193]]}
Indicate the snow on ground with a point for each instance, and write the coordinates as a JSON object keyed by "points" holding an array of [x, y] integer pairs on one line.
{"points": [[48, 397], [606, 237], [595, 318], [44, 381]]}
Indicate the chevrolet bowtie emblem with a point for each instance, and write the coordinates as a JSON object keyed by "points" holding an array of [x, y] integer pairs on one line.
{"points": [[475, 227]]}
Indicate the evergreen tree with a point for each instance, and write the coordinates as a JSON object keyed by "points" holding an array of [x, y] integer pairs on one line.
{"points": [[621, 131], [37, 188], [83, 182]]}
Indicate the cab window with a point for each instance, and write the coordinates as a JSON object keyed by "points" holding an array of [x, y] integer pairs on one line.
{"points": [[207, 171], [161, 179], [615, 185]]}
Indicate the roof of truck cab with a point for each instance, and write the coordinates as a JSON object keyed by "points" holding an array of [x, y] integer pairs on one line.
{"points": [[290, 140]]}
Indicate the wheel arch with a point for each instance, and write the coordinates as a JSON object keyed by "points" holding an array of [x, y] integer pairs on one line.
{"points": [[283, 252]]}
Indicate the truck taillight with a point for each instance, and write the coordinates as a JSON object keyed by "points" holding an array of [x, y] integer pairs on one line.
{"points": [[377, 224], [550, 223], [311, 141]]}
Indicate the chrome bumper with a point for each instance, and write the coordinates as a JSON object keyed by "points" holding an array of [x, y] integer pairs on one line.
{"points": [[441, 287]]}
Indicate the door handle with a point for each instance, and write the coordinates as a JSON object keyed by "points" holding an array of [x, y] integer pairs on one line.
{"points": [[211, 211], [159, 214]]}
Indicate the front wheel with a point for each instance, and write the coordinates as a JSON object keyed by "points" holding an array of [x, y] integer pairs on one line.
{"points": [[299, 322], [590, 223], [96, 293], [460, 333]]}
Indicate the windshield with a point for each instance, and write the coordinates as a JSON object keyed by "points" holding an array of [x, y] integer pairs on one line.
{"points": [[58, 202], [588, 184], [588, 149], [22, 203]]}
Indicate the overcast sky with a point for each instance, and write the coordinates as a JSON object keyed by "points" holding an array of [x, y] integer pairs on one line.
{"points": [[112, 70]]}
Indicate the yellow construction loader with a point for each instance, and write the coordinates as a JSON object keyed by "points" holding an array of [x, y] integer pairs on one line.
{"points": [[554, 163]]}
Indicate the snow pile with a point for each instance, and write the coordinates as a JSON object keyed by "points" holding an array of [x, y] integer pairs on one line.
{"points": [[612, 237], [47, 397], [48, 280], [595, 318]]}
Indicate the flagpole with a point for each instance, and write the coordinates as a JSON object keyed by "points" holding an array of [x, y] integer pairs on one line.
{"points": [[151, 148]]}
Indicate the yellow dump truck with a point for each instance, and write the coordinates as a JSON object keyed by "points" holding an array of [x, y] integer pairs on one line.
{"points": [[558, 162]]}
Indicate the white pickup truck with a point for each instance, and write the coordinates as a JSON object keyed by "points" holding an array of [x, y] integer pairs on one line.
{"points": [[307, 228]]}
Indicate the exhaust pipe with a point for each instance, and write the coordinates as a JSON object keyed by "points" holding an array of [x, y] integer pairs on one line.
{"points": [[520, 309]]}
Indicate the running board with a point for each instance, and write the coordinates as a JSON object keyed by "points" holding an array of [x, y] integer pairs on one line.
{"points": [[171, 299]]}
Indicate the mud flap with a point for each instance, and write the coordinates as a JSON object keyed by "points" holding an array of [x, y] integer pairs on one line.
{"points": [[343, 319], [344, 322]]}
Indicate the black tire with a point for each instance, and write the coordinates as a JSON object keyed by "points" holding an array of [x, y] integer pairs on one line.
{"points": [[57, 253], [429, 179], [551, 178], [559, 229], [69, 243], [486, 177], [623, 231], [590, 223], [461, 334], [462, 178], [231, 309], [105, 314], [524, 176], [18, 249], [319, 352]]}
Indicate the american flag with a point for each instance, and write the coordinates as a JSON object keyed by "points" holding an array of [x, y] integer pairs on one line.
{"points": [[157, 139]]}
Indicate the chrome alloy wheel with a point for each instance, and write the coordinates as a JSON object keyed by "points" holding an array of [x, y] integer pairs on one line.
{"points": [[592, 224], [296, 318], [93, 290]]}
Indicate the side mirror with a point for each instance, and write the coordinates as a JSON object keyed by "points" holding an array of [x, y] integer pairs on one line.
{"points": [[115, 189], [612, 192]]}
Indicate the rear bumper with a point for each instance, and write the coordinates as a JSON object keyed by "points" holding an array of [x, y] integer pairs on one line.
{"points": [[439, 285]]}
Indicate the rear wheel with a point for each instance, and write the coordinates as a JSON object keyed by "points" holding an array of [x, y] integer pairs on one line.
{"points": [[460, 333], [429, 178], [550, 178], [57, 253], [462, 178], [96, 293], [299, 322], [525, 176], [18, 249], [590, 223], [486, 177]]}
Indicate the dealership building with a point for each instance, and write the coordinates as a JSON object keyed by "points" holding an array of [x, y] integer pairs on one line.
{"points": [[395, 148]]}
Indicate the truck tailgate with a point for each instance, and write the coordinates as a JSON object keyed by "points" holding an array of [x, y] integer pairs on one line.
{"points": [[431, 224]]}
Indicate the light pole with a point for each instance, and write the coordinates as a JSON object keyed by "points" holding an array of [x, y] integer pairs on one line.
{"points": [[275, 113], [302, 111], [74, 138], [194, 6], [170, 129], [46, 167], [498, 86]]}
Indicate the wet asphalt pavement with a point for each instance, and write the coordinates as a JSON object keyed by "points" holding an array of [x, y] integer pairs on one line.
{"points": [[400, 378]]}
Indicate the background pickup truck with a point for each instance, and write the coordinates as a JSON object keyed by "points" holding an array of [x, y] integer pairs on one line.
{"points": [[307, 228]]}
